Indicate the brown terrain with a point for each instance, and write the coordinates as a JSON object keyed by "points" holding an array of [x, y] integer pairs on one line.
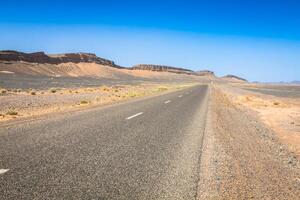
{"points": [[251, 147]]}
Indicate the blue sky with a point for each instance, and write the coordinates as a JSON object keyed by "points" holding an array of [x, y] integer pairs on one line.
{"points": [[258, 40]]}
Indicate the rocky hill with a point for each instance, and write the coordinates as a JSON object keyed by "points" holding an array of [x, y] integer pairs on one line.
{"points": [[80, 64], [42, 58], [163, 68], [205, 73], [234, 78]]}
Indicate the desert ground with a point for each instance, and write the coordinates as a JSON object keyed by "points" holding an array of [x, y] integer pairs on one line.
{"points": [[251, 144], [90, 131]]}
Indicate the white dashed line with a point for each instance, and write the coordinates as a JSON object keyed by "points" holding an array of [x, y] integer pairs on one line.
{"points": [[134, 115], [2, 171], [167, 101], [180, 96]]}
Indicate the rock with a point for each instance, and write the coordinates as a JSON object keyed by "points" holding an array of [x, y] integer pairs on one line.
{"points": [[231, 77], [163, 68], [41, 57]]}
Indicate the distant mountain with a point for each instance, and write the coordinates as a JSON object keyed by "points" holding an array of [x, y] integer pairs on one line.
{"points": [[233, 78], [85, 64], [295, 82], [163, 68], [42, 58], [205, 73]]}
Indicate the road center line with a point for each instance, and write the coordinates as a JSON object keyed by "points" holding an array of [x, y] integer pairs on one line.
{"points": [[140, 113], [167, 101], [2, 171]]}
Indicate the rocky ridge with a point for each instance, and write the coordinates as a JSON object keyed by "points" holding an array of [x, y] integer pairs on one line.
{"points": [[163, 68], [41, 57], [8, 56], [230, 76]]}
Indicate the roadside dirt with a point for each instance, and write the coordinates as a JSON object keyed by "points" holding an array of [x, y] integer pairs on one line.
{"points": [[281, 114], [243, 158], [15, 104]]}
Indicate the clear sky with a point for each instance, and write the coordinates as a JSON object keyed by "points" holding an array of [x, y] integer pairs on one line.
{"points": [[258, 40]]}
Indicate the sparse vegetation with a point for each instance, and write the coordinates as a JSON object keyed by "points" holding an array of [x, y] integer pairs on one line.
{"points": [[102, 95], [3, 91], [276, 103], [17, 90], [11, 112], [84, 102], [248, 98], [53, 90], [132, 94], [162, 88], [105, 88]]}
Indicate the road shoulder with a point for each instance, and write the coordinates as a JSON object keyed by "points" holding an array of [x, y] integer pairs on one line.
{"points": [[243, 159]]}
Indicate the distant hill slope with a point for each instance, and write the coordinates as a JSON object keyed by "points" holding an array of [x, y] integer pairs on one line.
{"points": [[40, 64], [295, 82], [233, 78], [42, 58]]}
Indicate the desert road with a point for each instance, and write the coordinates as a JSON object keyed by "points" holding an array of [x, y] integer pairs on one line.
{"points": [[146, 148]]}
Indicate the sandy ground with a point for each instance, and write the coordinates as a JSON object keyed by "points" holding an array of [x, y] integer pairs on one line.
{"points": [[242, 157], [32, 75], [15, 103], [280, 113]]}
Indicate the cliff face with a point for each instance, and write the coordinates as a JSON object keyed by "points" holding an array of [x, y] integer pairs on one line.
{"points": [[41, 57], [163, 68]]}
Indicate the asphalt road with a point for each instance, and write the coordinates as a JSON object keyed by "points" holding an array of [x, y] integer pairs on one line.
{"points": [[141, 149]]}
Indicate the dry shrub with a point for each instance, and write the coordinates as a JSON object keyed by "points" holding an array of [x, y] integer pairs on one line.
{"points": [[162, 88], [84, 102], [105, 88], [53, 90], [3, 91], [11, 112]]}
